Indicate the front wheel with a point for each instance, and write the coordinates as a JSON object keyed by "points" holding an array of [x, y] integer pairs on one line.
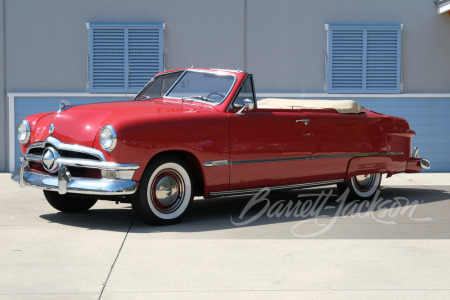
{"points": [[67, 203], [362, 187], [165, 192]]}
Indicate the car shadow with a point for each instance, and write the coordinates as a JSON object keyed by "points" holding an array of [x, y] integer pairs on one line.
{"points": [[114, 219], [216, 214]]}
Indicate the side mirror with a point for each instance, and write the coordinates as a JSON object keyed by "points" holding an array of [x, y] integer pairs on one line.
{"points": [[249, 105]]}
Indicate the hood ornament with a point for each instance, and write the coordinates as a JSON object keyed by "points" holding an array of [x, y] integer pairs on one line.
{"points": [[51, 128], [63, 105]]}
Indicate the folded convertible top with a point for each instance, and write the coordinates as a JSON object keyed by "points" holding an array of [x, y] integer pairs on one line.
{"points": [[342, 106]]}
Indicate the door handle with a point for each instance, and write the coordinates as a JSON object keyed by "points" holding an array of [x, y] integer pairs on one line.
{"points": [[305, 121]]}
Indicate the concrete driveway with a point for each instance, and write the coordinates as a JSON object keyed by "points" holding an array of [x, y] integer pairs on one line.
{"points": [[396, 246]]}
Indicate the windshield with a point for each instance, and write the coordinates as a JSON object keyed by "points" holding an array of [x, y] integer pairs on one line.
{"points": [[158, 86], [210, 87]]}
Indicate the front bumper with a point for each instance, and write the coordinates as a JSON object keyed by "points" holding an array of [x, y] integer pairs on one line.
{"points": [[64, 182]]}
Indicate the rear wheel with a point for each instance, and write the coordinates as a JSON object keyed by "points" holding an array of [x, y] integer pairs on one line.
{"points": [[361, 187], [67, 203], [165, 192]]}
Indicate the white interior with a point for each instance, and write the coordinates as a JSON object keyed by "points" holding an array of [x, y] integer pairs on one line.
{"points": [[342, 106]]}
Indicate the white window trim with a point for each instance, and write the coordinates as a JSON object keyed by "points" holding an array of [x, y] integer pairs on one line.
{"points": [[13, 96], [326, 88]]}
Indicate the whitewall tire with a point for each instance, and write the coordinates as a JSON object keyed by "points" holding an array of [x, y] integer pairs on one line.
{"points": [[165, 192], [362, 187]]}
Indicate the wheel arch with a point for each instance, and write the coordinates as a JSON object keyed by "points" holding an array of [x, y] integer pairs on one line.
{"points": [[369, 165], [191, 161]]}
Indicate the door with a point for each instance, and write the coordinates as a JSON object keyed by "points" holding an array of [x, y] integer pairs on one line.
{"points": [[268, 147]]}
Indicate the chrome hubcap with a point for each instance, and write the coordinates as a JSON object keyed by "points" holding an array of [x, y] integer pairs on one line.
{"points": [[364, 182], [167, 191]]}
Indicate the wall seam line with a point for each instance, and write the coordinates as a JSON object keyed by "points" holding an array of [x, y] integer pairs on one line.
{"points": [[5, 89]]}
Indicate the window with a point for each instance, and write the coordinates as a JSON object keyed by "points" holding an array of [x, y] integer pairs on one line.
{"points": [[213, 87], [159, 86], [246, 92], [124, 57], [364, 59]]}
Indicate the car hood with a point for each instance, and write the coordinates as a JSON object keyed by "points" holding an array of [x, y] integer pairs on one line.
{"points": [[81, 124]]}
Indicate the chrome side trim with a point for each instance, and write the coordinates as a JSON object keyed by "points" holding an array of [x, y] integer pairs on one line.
{"points": [[273, 188], [216, 163], [241, 162]]}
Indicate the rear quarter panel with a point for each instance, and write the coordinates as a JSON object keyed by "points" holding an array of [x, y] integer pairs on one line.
{"points": [[364, 133]]}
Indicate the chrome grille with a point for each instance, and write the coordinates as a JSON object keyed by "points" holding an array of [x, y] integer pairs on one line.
{"points": [[64, 153], [58, 159], [36, 151], [74, 154], [66, 150]]}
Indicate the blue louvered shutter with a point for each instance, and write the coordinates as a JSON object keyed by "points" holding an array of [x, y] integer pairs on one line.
{"points": [[346, 60], [364, 59], [383, 60], [145, 55], [124, 57], [107, 59]]}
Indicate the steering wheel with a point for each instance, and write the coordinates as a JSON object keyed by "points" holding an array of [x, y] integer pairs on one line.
{"points": [[216, 93]]}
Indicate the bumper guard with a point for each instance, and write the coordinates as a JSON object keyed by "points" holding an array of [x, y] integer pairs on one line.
{"points": [[416, 164]]}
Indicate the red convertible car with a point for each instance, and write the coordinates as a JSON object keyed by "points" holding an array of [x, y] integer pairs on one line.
{"points": [[202, 132]]}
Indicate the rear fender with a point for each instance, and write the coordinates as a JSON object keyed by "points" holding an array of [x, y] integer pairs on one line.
{"points": [[369, 165]]}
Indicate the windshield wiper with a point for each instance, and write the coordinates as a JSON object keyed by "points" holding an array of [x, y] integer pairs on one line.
{"points": [[198, 97]]}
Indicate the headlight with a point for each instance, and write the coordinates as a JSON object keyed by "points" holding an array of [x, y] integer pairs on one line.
{"points": [[108, 138], [23, 132]]}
